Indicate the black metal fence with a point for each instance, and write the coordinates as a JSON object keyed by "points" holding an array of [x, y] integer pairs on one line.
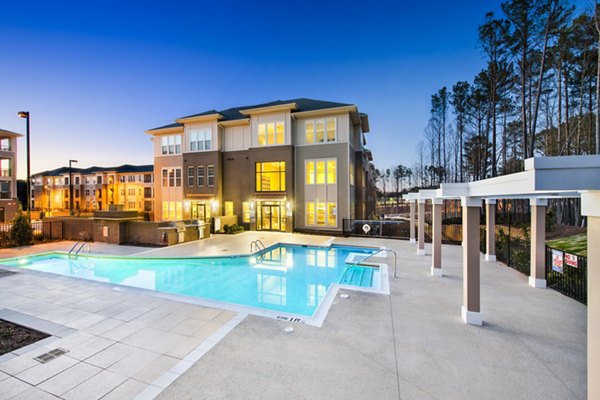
{"points": [[567, 273], [36, 226], [395, 229]]}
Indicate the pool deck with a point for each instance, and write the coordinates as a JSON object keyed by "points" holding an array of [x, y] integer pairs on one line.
{"points": [[409, 345]]}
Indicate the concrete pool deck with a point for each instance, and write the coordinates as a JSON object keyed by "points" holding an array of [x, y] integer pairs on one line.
{"points": [[409, 345]]}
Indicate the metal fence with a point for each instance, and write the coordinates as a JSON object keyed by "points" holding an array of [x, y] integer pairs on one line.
{"points": [[36, 226], [567, 273], [395, 229]]}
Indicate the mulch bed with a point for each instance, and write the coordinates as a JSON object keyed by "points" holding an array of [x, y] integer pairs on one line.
{"points": [[13, 336]]}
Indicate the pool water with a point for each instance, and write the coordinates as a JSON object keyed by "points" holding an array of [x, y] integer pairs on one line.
{"points": [[287, 278]]}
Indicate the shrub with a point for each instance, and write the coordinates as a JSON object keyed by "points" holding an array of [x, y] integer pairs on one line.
{"points": [[21, 233], [226, 228]]}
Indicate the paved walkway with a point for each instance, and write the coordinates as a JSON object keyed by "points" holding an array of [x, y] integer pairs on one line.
{"points": [[410, 345]]}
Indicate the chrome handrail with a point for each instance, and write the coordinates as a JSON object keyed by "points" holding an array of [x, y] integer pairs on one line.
{"points": [[374, 254], [73, 248], [257, 243], [83, 246]]}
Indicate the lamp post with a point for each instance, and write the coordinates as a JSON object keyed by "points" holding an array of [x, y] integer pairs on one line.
{"points": [[71, 186], [25, 114]]}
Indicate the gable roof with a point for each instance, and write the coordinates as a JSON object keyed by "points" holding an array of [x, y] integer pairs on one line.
{"points": [[234, 113]]}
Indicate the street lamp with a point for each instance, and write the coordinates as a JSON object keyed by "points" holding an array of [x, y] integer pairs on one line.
{"points": [[71, 186], [25, 114]]}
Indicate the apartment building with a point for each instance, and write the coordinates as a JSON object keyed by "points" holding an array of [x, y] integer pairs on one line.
{"points": [[293, 165], [9, 204], [94, 188]]}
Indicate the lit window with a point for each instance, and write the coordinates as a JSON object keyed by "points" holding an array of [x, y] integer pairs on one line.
{"points": [[310, 173], [190, 177], [310, 213], [201, 176], [320, 131], [171, 144], [245, 211], [320, 213], [331, 129], [5, 167], [280, 133], [262, 135], [270, 176], [331, 173], [271, 133], [229, 208], [210, 175], [332, 214], [352, 174], [320, 172], [309, 131]]}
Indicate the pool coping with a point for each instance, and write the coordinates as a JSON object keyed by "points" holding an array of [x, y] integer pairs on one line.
{"points": [[316, 319]]}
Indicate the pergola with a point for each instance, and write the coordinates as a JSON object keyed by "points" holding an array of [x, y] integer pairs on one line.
{"points": [[543, 178]]}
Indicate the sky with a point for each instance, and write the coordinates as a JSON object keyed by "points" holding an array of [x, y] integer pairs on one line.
{"points": [[96, 74]]}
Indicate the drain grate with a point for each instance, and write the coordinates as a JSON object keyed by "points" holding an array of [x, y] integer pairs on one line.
{"points": [[4, 273], [51, 355]]}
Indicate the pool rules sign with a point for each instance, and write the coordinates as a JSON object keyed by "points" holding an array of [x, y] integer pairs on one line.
{"points": [[557, 261]]}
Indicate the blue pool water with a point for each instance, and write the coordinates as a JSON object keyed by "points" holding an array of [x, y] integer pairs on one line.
{"points": [[287, 278]]}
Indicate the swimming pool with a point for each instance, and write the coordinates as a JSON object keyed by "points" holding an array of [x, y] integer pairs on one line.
{"points": [[286, 278]]}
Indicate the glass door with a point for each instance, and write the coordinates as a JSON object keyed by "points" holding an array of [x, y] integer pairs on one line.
{"points": [[275, 218], [266, 218]]}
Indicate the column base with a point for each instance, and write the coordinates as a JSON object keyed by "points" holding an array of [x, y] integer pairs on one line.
{"points": [[420, 252], [471, 317], [537, 283], [490, 257], [436, 272], [412, 241]]}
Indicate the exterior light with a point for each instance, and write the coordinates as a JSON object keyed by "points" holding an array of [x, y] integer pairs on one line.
{"points": [[215, 205]]}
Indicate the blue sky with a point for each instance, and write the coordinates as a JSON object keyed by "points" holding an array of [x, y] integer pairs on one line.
{"points": [[96, 74]]}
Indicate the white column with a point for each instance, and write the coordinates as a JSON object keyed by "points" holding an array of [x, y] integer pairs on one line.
{"points": [[590, 206], [436, 240], [471, 309], [490, 229], [413, 207], [537, 277], [421, 228]]}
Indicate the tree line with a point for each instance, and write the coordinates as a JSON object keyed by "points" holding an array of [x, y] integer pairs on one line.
{"points": [[537, 95]]}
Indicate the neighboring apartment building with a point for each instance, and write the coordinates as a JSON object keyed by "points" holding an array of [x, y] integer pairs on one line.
{"points": [[294, 165], [94, 188], [9, 204]]}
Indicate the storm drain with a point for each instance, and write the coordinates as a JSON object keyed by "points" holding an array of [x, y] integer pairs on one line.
{"points": [[51, 355]]}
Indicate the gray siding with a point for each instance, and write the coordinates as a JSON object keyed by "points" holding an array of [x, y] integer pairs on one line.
{"points": [[340, 151]]}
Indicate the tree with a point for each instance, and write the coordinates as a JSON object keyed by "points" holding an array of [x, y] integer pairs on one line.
{"points": [[460, 102], [21, 233]]}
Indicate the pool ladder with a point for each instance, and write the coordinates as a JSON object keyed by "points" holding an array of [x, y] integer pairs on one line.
{"points": [[77, 247], [354, 264], [257, 245]]}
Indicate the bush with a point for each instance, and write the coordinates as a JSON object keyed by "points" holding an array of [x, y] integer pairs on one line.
{"points": [[21, 233], [231, 229], [226, 229]]}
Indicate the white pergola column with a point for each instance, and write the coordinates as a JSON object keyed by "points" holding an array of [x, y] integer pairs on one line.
{"points": [[490, 229], [436, 240], [413, 206], [590, 206], [471, 311], [421, 228], [537, 277]]}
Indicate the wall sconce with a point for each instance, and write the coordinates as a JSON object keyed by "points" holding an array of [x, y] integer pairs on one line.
{"points": [[215, 205]]}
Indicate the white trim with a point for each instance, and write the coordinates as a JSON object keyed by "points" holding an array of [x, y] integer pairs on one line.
{"points": [[436, 272], [490, 257], [437, 201], [537, 283], [538, 202], [412, 241], [590, 203], [420, 252], [471, 317], [470, 201], [490, 201]]}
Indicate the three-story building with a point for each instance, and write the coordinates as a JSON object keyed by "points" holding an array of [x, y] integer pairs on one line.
{"points": [[287, 165], [9, 203]]}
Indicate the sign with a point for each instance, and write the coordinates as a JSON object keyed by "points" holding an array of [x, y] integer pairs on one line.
{"points": [[366, 228], [571, 260], [557, 261]]}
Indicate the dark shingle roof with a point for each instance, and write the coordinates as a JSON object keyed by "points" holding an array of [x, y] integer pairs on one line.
{"points": [[303, 104], [125, 168], [174, 125]]}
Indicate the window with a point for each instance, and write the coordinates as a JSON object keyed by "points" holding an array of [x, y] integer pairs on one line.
{"points": [[77, 193], [320, 172], [5, 167], [321, 213], [245, 211], [148, 178], [98, 180], [171, 144], [148, 192], [270, 176], [210, 175], [352, 174], [190, 176], [201, 176], [320, 131], [171, 177], [332, 214], [5, 144], [99, 192], [200, 140], [77, 180], [87, 192], [310, 213], [67, 180], [228, 208], [172, 210], [271, 133], [5, 190]]}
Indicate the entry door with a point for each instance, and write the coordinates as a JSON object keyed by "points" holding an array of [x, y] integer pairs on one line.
{"points": [[266, 218], [275, 218], [199, 211], [271, 218]]}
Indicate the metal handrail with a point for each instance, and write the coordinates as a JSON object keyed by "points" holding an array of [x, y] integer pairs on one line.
{"points": [[77, 247], [373, 255], [257, 243], [83, 246], [73, 248]]}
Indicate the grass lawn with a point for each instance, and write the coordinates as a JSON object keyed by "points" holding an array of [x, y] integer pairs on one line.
{"points": [[576, 244]]}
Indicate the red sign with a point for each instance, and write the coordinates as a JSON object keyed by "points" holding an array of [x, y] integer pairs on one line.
{"points": [[571, 260]]}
